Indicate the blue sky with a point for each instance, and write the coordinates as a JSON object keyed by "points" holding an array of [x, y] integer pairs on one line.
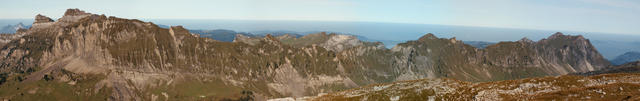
{"points": [[611, 16]]}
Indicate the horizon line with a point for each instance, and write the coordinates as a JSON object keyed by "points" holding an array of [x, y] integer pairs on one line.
{"points": [[352, 21]]}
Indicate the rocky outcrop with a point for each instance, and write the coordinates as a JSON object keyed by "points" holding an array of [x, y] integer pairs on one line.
{"points": [[74, 15], [42, 19], [75, 12]]}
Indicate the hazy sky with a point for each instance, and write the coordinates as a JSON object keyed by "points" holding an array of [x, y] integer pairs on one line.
{"points": [[613, 16]]}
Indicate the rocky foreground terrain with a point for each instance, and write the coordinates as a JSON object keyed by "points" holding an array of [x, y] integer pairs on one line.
{"points": [[606, 87], [84, 56]]}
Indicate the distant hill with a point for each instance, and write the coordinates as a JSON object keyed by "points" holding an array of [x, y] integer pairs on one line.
{"points": [[613, 48], [225, 35], [626, 58], [10, 29]]}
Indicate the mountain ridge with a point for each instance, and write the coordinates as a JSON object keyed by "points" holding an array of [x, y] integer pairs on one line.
{"points": [[126, 59]]}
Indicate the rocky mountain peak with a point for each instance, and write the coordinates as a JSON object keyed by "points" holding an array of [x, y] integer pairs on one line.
{"points": [[428, 37], [268, 36], [180, 28], [173, 30], [73, 15], [453, 40], [560, 35], [42, 19], [556, 35], [525, 40], [270, 39], [580, 37], [20, 24], [75, 12], [286, 36], [340, 42]]}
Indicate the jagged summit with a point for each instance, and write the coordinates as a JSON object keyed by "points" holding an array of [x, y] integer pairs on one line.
{"points": [[42, 19], [428, 36], [560, 35], [556, 35], [526, 40], [178, 27], [73, 15], [75, 12]]}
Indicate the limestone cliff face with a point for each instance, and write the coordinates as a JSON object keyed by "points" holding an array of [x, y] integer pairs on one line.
{"points": [[559, 54], [574, 53]]}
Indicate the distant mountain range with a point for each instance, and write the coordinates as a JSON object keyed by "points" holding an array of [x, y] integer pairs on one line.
{"points": [[10, 29], [626, 58], [609, 45]]}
